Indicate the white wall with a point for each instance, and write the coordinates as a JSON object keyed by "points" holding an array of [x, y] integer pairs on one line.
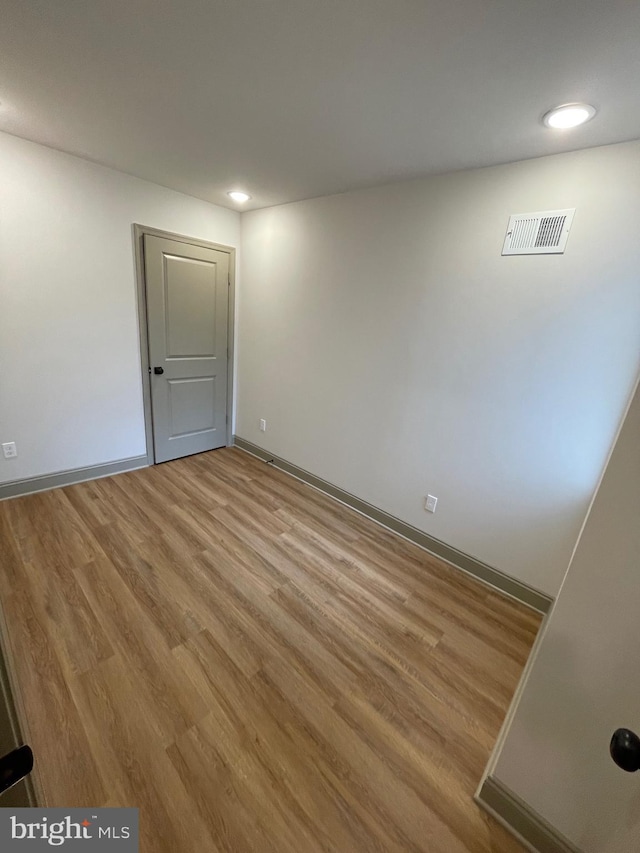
{"points": [[394, 352], [70, 386], [585, 680]]}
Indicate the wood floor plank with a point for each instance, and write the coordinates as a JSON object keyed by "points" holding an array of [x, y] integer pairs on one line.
{"points": [[149, 568], [341, 749], [254, 665], [227, 738], [172, 704], [135, 771], [58, 735]]}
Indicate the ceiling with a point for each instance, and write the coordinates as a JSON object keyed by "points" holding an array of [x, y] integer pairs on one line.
{"points": [[292, 99]]}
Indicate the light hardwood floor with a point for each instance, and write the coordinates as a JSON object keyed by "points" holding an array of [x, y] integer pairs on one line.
{"points": [[253, 665]]}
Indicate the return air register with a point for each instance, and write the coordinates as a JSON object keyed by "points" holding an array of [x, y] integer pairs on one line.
{"points": [[543, 233]]}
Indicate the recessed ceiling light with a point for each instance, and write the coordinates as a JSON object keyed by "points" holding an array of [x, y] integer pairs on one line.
{"points": [[569, 115], [236, 195]]}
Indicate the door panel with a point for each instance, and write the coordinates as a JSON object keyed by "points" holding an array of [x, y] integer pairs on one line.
{"points": [[190, 301], [187, 314], [191, 405]]}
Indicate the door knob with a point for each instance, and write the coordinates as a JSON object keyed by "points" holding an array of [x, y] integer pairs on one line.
{"points": [[15, 766], [158, 371], [625, 750]]}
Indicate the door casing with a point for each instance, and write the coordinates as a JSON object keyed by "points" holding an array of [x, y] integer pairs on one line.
{"points": [[139, 232], [14, 729]]}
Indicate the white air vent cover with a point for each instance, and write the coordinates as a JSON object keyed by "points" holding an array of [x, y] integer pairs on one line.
{"points": [[543, 233]]}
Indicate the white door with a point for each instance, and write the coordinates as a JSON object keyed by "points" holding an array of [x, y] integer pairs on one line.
{"points": [[187, 316]]}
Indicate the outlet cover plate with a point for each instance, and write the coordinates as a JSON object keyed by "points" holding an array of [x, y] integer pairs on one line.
{"points": [[430, 503], [9, 450]]}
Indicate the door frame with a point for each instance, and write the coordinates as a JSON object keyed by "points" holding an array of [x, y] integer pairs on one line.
{"points": [[139, 232], [14, 726]]}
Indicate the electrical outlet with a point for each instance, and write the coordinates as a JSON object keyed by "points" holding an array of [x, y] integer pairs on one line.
{"points": [[10, 450], [430, 503], [263, 425]]}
